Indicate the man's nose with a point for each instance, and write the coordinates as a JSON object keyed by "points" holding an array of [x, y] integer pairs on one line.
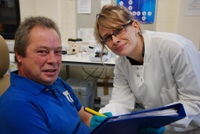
{"points": [[52, 57]]}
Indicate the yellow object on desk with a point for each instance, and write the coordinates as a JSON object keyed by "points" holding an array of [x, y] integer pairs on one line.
{"points": [[93, 111]]}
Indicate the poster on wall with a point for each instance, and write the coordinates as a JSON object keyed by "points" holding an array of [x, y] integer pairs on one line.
{"points": [[192, 7], [84, 6], [142, 10]]}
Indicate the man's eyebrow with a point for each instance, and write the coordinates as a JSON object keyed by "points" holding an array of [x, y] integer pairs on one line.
{"points": [[60, 47], [45, 47]]}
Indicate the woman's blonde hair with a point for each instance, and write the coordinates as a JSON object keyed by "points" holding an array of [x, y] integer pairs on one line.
{"points": [[110, 14]]}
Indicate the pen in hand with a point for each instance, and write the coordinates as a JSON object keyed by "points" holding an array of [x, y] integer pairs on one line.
{"points": [[93, 112]]}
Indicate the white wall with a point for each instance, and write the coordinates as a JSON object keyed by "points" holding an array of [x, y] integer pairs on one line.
{"points": [[63, 12], [189, 26], [171, 17], [166, 15]]}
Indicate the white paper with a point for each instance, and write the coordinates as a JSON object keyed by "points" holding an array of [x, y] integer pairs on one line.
{"points": [[165, 112], [84, 6], [86, 34], [192, 7]]}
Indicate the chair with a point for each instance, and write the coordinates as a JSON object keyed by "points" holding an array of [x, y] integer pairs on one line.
{"points": [[4, 66]]}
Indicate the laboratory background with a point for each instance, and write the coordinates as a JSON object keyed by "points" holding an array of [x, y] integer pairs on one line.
{"points": [[74, 21]]}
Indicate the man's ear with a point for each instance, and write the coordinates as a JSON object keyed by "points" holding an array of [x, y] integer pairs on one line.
{"points": [[18, 57]]}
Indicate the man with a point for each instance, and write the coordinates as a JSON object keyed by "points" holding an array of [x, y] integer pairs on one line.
{"points": [[37, 101]]}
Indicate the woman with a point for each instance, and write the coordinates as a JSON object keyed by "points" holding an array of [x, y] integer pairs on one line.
{"points": [[153, 68]]}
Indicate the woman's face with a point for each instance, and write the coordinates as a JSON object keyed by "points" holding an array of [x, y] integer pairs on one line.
{"points": [[123, 40]]}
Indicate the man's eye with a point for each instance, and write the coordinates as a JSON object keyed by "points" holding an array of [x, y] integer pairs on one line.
{"points": [[42, 51], [59, 52]]}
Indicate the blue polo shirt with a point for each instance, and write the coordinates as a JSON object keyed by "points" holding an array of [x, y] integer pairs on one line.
{"points": [[28, 107]]}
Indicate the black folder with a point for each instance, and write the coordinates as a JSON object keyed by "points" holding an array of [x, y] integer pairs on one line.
{"points": [[133, 122]]}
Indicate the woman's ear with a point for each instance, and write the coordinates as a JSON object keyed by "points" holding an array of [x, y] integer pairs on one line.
{"points": [[136, 26]]}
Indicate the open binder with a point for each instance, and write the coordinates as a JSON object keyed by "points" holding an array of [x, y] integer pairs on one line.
{"points": [[133, 122]]}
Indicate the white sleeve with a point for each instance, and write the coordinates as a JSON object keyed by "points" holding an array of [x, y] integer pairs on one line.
{"points": [[186, 70], [122, 99]]}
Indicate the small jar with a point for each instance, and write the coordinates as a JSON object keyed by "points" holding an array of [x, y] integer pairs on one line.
{"points": [[74, 45]]}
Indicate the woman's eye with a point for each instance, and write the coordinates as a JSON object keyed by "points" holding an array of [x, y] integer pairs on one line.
{"points": [[107, 38], [118, 31]]}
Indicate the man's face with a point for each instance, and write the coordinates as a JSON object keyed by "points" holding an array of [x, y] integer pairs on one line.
{"points": [[42, 62]]}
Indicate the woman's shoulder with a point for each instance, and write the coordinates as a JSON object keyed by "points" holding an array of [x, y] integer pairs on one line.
{"points": [[167, 41], [121, 62]]}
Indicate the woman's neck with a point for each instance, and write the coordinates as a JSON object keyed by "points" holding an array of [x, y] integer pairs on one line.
{"points": [[137, 53]]}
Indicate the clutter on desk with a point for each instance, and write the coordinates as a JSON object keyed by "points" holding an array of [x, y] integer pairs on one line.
{"points": [[74, 45], [13, 63], [93, 57], [64, 52], [98, 55]]}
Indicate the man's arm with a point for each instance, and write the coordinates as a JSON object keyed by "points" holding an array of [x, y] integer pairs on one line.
{"points": [[85, 116]]}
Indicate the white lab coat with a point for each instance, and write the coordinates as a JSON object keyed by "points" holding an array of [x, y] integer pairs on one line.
{"points": [[171, 73]]}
